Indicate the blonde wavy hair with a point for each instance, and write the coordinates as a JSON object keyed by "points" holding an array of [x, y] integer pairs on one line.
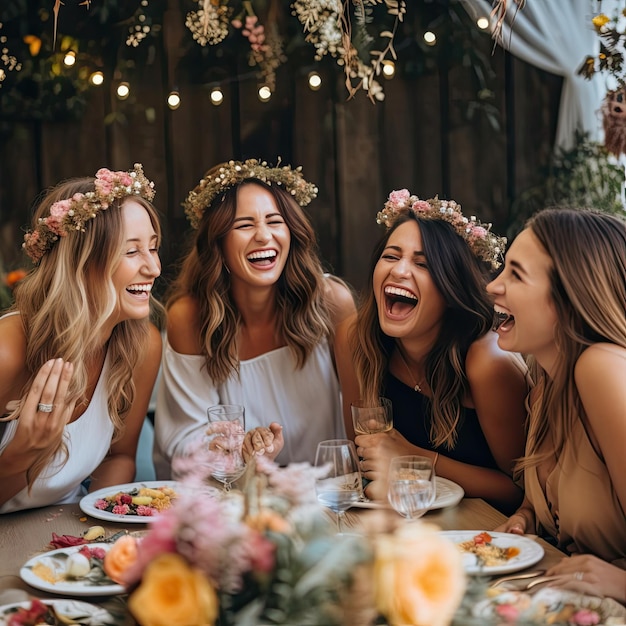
{"points": [[461, 278], [588, 284], [302, 309], [65, 303]]}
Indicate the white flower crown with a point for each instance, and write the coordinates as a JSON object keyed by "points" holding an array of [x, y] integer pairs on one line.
{"points": [[235, 172], [482, 242]]}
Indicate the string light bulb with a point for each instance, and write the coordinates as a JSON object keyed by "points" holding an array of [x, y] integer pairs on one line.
{"points": [[123, 91], [389, 69], [97, 78], [482, 23], [430, 38], [173, 100], [265, 93], [217, 96], [315, 81], [70, 58]]}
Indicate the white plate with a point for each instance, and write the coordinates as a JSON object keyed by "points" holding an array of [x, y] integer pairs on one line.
{"points": [[81, 612], [56, 559], [448, 493], [530, 552], [87, 504]]}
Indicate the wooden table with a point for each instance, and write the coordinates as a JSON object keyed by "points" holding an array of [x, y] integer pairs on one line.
{"points": [[25, 534]]}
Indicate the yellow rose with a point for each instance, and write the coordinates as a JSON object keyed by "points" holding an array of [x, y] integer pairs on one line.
{"points": [[121, 556], [419, 576], [173, 594]]}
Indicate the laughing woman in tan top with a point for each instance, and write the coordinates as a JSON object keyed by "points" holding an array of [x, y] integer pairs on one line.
{"points": [[562, 299]]}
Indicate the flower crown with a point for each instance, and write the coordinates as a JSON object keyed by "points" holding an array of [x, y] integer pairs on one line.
{"points": [[482, 242], [71, 214], [234, 172]]}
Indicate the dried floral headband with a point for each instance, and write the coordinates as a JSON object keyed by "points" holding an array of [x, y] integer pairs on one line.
{"points": [[482, 242], [235, 172], [71, 214]]}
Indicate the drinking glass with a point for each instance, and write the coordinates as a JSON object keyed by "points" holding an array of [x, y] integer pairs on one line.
{"points": [[411, 489], [225, 435], [368, 419], [340, 485]]}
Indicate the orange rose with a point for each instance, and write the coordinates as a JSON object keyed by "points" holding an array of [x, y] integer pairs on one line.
{"points": [[173, 594], [121, 556], [419, 576]]}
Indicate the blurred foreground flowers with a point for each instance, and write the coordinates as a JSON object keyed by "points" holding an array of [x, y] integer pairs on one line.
{"points": [[269, 555]]}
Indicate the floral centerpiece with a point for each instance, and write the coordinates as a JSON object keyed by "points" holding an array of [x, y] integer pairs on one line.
{"points": [[269, 555]]}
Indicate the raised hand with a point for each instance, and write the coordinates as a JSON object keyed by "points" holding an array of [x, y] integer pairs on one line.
{"points": [[263, 441]]}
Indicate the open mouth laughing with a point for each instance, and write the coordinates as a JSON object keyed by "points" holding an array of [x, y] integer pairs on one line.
{"points": [[399, 302], [140, 289], [502, 320], [262, 258]]}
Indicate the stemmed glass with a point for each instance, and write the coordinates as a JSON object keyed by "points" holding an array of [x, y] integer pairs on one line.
{"points": [[370, 418], [225, 435], [340, 486], [411, 489]]}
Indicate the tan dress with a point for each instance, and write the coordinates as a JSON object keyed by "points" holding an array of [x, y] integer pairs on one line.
{"points": [[580, 507]]}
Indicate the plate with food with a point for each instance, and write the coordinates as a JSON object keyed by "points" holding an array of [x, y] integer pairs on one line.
{"points": [[75, 571], [491, 553], [448, 493], [135, 503], [55, 612]]}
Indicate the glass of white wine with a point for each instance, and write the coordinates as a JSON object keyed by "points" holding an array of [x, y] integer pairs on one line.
{"points": [[369, 418], [340, 486], [411, 488]]}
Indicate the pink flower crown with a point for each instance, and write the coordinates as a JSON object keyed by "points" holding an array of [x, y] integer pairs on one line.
{"points": [[235, 172], [482, 242], [71, 214]]}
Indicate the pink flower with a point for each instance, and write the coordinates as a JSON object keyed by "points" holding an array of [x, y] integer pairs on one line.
{"points": [[101, 504], [399, 198], [55, 224], [146, 511], [421, 206], [121, 509], [261, 553], [103, 187], [479, 232], [585, 617], [509, 612], [60, 208]]}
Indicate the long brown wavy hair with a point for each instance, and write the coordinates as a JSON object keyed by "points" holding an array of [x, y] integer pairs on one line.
{"points": [[64, 304], [301, 305], [461, 279], [588, 288]]}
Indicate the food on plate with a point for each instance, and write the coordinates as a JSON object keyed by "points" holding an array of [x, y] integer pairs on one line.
{"points": [[55, 613], [486, 552], [142, 501], [84, 564]]}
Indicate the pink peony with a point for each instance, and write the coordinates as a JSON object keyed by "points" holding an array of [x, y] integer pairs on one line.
{"points": [[60, 209], [421, 206], [399, 198]]}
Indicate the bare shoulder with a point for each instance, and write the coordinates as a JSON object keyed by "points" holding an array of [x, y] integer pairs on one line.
{"points": [[345, 327], [340, 298], [183, 325], [601, 363], [12, 357], [155, 343], [487, 362]]}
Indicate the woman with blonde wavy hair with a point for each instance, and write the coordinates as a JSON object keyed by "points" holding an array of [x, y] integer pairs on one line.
{"points": [[562, 301], [422, 338], [251, 317], [79, 355]]}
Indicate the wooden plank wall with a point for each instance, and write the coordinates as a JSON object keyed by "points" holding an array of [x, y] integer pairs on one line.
{"points": [[355, 151]]}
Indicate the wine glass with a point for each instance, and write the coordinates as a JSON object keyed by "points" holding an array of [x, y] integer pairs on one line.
{"points": [[368, 418], [339, 487], [411, 489], [225, 435]]}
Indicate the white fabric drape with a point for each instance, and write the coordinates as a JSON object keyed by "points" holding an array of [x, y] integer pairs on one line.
{"points": [[556, 36]]}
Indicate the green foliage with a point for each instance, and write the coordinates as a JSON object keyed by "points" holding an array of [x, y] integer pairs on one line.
{"points": [[584, 176]]}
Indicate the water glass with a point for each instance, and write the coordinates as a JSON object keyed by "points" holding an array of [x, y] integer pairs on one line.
{"points": [[368, 418], [411, 489], [225, 435]]}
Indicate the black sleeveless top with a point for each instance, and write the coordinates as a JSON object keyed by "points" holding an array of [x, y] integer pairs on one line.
{"points": [[411, 418]]}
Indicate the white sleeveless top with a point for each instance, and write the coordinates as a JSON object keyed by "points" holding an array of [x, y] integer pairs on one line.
{"points": [[88, 440], [306, 402]]}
